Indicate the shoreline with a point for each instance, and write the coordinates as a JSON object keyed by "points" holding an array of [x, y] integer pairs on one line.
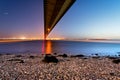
{"points": [[31, 67], [89, 40]]}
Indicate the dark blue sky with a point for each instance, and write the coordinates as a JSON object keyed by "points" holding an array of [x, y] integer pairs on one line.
{"points": [[85, 19], [21, 18]]}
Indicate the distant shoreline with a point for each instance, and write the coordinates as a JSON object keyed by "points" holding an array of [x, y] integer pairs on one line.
{"points": [[13, 40], [21, 40]]}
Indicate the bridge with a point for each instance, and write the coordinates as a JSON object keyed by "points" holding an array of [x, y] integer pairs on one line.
{"points": [[53, 12]]}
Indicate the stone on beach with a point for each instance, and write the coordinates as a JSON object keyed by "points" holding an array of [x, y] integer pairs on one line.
{"points": [[18, 55], [32, 57], [50, 58], [17, 60], [80, 55], [117, 61], [63, 55], [110, 57]]}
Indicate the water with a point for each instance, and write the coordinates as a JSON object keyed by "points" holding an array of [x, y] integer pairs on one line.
{"points": [[69, 47]]}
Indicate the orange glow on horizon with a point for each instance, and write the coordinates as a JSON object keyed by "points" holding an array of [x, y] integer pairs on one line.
{"points": [[55, 38], [23, 38]]}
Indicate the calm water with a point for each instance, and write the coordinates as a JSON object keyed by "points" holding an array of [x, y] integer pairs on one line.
{"points": [[69, 47]]}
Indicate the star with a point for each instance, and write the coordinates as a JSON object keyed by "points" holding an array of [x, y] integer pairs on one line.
{"points": [[5, 13]]}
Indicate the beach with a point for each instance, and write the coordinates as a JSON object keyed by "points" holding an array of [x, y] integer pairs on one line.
{"points": [[59, 40], [32, 67]]}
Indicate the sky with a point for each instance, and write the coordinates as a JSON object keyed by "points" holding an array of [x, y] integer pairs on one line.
{"points": [[86, 19]]}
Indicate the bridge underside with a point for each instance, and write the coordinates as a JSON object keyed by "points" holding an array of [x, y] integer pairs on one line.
{"points": [[53, 12]]}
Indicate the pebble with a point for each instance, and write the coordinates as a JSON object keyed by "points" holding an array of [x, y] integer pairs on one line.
{"points": [[74, 69]]}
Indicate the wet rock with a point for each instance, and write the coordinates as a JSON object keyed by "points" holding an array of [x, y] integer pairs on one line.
{"points": [[112, 74], [110, 57], [21, 61], [32, 57], [64, 55], [18, 55], [96, 54], [116, 61], [96, 57], [17, 60], [8, 54], [80, 55], [50, 58], [85, 58], [55, 53]]}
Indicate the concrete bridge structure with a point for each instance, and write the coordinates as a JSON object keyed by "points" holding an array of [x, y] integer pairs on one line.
{"points": [[53, 12]]}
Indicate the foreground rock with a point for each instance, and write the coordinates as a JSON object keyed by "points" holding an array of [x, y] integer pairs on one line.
{"points": [[117, 61], [50, 58]]}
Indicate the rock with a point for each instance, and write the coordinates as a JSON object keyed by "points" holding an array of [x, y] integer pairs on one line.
{"points": [[96, 54], [85, 58], [8, 54], [80, 55], [17, 60], [110, 57], [32, 57], [55, 53], [18, 55], [96, 57], [116, 61], [64, 55], [50, 58], [21, 61], [112, 74]]}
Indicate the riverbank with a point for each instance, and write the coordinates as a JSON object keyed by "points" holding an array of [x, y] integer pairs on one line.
{"points": [[32, 67]]}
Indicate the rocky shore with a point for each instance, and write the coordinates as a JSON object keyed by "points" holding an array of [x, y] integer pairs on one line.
{"points": [[32, 67]]}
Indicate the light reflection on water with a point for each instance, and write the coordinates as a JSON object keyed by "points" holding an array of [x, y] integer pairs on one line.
{"points": [[48, 47], [68, 47]]}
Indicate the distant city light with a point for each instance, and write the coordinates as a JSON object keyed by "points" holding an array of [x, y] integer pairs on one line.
{"points": [[23, 38]]}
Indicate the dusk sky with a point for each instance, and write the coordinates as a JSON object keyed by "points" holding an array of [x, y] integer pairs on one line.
{"points": [[85, 19]]}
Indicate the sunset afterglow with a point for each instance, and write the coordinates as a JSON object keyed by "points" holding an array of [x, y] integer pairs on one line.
{"points": [[23, 38], [85, 19]]}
